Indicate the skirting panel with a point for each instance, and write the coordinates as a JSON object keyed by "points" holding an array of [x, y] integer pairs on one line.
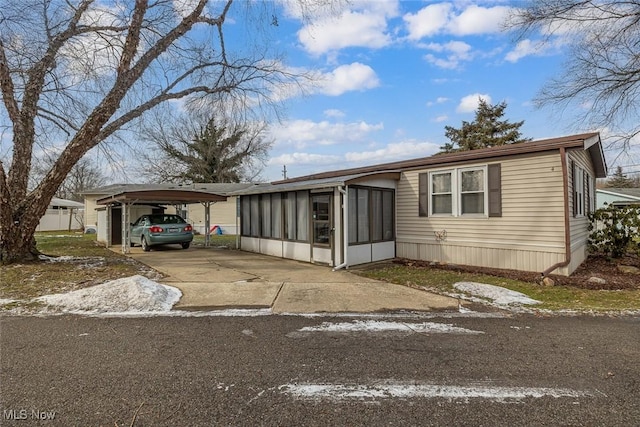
{"points": [[524, 260]]}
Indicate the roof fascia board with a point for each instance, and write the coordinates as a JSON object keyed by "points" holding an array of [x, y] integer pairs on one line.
{"points": [[613, 193]]}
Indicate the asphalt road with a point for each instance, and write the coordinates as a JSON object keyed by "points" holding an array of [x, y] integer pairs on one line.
{"points": [[79, 371]]}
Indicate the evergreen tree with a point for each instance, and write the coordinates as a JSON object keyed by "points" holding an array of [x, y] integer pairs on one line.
{"points": [[620, 180], [487, 130], [213, 151]]}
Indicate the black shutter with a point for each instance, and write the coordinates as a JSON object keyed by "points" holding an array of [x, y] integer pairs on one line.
{"points": [[423, 194], [495, 190]]}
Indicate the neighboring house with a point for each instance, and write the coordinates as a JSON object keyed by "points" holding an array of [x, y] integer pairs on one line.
{"points": [[62, 214], [617, 197], [521, 206], [106, 217]]}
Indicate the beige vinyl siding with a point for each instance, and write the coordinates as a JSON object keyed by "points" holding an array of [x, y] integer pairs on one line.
{"points": [[529, 235], [579, 225], [90, 212], [222, 214]]}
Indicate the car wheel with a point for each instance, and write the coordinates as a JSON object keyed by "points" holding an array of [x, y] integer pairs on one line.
{"points": [[144, 244], [185, 245]]}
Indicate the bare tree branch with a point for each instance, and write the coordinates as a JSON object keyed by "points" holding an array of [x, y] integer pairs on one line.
{"points": [[602, 69]]}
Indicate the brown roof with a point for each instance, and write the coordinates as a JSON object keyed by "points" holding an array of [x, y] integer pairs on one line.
{"points": [[551, 144]]}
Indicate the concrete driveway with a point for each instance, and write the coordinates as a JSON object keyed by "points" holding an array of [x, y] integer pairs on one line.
{"points": [[211, 278]]}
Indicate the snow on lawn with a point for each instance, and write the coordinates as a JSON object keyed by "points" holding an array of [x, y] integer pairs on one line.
{"points": [[498, 294], [385, 326], [131, 294]]}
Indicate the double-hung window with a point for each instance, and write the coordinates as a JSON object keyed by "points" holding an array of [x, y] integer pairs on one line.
{"points": [[442, 193], [582, 191], [456, 192], [472, 194]]}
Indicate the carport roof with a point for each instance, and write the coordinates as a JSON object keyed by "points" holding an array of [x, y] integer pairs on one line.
{"points": [[216, 188], [162, 197]]}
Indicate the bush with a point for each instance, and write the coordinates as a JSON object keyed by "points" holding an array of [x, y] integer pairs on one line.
{"points": [[614, 230]]}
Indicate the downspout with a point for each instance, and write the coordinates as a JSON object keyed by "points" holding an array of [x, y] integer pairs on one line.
{"points": [[345, 227], [567, 224]]}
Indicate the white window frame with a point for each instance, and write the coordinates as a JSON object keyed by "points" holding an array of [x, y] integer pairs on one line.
{"points": [[578, 191], [485, 185], [452, 172], [456, 192]]}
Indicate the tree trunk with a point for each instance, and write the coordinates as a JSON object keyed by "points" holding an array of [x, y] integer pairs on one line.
{"points": [[17, 245], [18, 223]]}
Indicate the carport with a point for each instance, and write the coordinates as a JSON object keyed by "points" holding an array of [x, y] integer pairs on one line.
{"points": [[157, 197]]}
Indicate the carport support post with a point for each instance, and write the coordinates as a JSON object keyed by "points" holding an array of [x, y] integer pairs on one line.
{"points": [[207, 223], [126, 227]]}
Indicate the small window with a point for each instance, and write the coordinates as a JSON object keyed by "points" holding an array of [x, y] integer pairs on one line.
{"points": [[472, 191], [441, 194]]}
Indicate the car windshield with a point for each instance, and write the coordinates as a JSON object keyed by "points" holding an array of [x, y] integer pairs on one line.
{"points": [[166, 219]]}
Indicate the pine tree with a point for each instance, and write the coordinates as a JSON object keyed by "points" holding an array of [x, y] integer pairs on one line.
{"points": [[619, 180], [487, 130]]}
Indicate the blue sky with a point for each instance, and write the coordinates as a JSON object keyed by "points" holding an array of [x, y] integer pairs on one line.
{"points": [[392, 74]]}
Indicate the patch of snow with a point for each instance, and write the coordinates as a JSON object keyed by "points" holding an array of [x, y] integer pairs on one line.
{"points": [[385, 326], [172, 313], [130, 294], [84, 261], [5, 301], [499, 295], [341, 392]]}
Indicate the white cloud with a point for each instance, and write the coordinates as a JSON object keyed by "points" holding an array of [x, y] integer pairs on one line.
{"points": [[470, 103], [364, 25], [334, 113], [441, 119], [345, 78], [394, 151], [456, 52], [529, 47], [428, 21], [303, 133], [478, 20], [438, 100], [446, 18], [291, 159]]}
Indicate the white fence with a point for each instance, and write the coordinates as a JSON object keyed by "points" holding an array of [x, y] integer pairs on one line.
{"points": [[58, 219]]}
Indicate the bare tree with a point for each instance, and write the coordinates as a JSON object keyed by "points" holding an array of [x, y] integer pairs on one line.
{"points": [[200, 149], [602, 69], [84, 175], [77, 72]]}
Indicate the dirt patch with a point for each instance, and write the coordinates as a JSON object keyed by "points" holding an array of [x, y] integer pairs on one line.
{"points": [[595, 266]]}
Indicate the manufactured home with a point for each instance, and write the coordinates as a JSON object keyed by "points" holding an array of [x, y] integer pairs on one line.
{"points": [[521, 206]]}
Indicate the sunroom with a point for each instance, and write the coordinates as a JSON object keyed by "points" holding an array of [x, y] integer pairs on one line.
{"points": [[339, 221]]}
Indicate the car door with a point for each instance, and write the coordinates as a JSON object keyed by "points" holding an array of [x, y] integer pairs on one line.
{"points": [[138, 227]]}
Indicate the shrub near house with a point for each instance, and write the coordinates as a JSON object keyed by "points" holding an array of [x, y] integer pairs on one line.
{"points": [[615, 230]]}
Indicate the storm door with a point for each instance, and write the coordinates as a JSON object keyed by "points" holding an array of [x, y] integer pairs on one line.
{"points": [[322, 228]]}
